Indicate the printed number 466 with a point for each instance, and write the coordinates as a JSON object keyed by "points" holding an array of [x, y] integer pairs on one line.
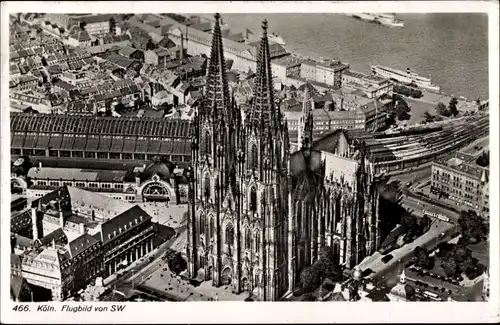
{"points": [[21, 308]]}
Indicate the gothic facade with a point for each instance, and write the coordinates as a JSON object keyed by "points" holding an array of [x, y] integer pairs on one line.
{"points": [[257, 214]]}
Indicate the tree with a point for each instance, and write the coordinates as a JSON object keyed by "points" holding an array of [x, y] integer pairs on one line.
{"points": [[472, 227], [463, 257], [453, 106], [425, 222], [390, 120], [328, 268], [442, 110], [484, 159], [310, 277], [410, 222], [401, 108], [325, 267], [450, 267], [423, 259], [175, 262], [444, 249], [428, 117], [478, 103], [475, 270]]}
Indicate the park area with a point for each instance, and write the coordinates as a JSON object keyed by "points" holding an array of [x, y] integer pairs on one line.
{"points": [[425, 109], [455, 268]]}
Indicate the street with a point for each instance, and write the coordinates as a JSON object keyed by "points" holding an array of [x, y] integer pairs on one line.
{"points": [[417, 207], [170, 221], [403, 254]]}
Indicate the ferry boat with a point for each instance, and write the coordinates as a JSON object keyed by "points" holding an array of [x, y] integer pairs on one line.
{"points": [[408, 77], [379, 18], [276, 38], [390, 20]]}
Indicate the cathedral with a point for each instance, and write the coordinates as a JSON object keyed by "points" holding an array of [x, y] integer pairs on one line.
{"points": [[259, 214]]}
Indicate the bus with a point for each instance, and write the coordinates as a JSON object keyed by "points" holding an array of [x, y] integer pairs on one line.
{"points": [[436, 215], [432, 296]]}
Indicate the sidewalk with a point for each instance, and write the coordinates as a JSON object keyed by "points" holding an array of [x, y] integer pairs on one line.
{"points": [[164, 281], [143, 262]]}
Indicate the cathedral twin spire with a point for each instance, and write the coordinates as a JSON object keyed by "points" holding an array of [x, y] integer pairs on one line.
{"points": [[218, 102], [217, 98], [263, 110]]}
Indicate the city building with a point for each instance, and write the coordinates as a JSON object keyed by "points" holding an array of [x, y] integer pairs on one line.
{"points": [[197, 40], [402, 291], [285, 66], [158, 56], [131, 53], [96, 24], [95, 137], [157, 180], [327, 72], [41, 105], [372, 86], [78, 236], [259, 215], [337, 110], [79, 37], [461, 180]]}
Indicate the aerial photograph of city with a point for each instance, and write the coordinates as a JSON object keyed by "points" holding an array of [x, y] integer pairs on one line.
{"points": [[249, 157]]}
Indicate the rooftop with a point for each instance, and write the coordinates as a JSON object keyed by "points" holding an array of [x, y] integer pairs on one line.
{"points": [[333, 64], [77, 174], [368, 77], [470, 169], [123, 222], [288, 61], [48, 123], [81, 244], [95, 18]]}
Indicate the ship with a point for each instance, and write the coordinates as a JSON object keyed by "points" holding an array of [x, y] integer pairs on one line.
{"points": [[390, 20], [276, 38], [378, 18], [409, 77]]}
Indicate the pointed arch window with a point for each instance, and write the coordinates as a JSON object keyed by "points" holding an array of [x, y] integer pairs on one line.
{"points": [[254, 157], [256, 280], [202, 223], [207, 186], [248, 239], [207, 149], [253, 199], [211, 228], [229, 234], [257, 241]]}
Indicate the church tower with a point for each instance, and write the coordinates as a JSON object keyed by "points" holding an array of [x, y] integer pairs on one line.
{"points": [[237, 226], [305, 138], [264, 174], [212, 156]]}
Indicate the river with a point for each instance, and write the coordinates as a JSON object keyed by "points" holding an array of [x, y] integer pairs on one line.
{"points": [[452, 47]]}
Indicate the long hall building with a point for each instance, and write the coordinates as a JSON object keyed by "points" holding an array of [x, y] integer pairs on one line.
{"points": [[93, 137]]}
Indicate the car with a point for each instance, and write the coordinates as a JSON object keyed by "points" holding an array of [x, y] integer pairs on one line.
{"points": [[387, 258]]}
